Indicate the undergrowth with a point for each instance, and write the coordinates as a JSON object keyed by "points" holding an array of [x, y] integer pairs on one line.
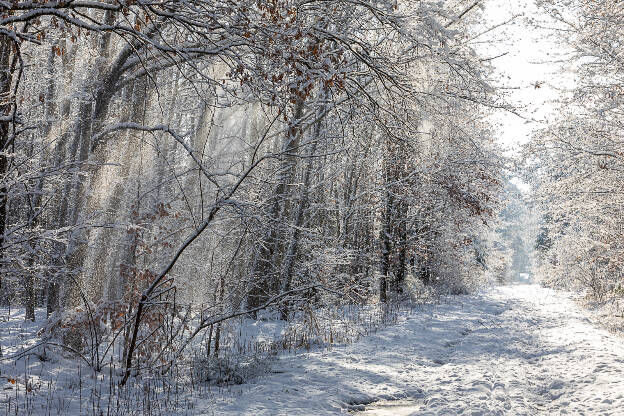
{"points": [[51, 381]]}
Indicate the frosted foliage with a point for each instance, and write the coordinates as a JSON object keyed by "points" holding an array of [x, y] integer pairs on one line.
{"points": [[191, 190], [576, 160]]}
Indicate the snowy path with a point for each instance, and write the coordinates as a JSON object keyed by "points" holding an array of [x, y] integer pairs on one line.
{"points": [[515, 350]]}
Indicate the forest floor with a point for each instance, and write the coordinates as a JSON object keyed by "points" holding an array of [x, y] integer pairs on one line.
{"points": [[512, 350]]}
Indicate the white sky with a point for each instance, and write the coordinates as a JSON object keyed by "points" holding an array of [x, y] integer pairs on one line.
{"points": [[530, 53]]}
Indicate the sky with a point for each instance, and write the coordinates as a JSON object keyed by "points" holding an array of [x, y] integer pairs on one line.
{"points": [[529, 74]]}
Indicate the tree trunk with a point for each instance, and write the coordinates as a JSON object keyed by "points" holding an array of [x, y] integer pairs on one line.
{"points": [[91, 118], [394, 228], [293, 245], [29, 296], [265, 278], [56, 279], [6, 47], [385, 249], [217, 340]]}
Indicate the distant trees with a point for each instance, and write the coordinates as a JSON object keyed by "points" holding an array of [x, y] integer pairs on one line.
{"points": [[514, 236], [190, 162]]}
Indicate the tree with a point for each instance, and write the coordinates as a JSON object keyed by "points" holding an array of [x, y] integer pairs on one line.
{"points": [[202, 161], [578, 156]]}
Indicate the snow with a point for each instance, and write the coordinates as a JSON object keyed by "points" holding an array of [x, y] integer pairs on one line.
{"points": [[512, 350], [17, 334]]}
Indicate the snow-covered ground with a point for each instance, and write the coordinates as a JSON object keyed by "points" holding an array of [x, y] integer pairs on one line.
{"points": [[514, 350]]}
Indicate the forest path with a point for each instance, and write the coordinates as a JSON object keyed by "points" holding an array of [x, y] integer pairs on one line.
{"points": [[511, 350]]}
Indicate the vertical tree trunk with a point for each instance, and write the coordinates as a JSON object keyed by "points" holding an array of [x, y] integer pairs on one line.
{"points": [[29, 296], [394, 228], [111, 258], [58, 158], [6, 46], [293, 244], [217, 340], [265, 277], [401, 261], [386, 247], [50, 112], [91, 119]]}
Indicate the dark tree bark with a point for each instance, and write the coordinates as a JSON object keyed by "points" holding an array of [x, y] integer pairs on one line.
{"points": [[394, 227], [264, 271], [6, 46]]}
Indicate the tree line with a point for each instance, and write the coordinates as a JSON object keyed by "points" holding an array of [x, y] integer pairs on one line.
{"points": [[171, 162], [577, 159]]}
